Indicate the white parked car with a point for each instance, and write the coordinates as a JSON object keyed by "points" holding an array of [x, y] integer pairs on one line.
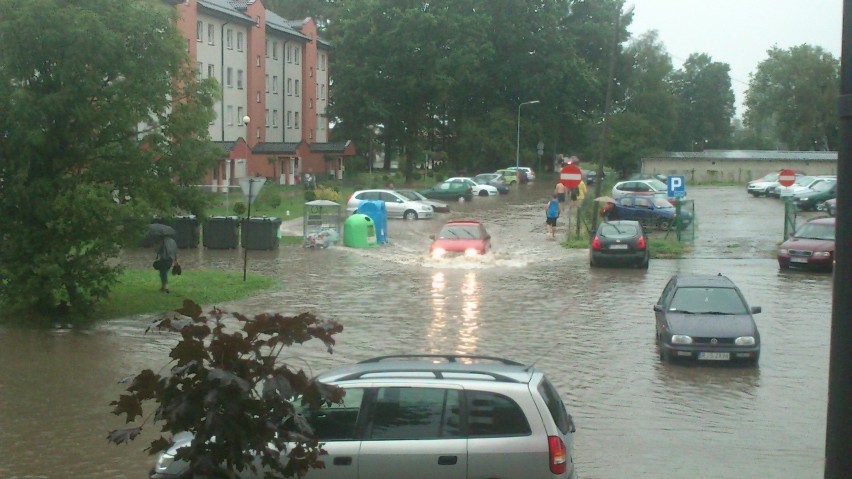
{"points": [[526, 169], [804, 184], [651, 187], [762, 186], [397, 205], [478, 189]]}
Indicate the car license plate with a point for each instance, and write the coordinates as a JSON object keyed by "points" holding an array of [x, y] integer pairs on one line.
{"points": [[796, 259], [618, 246], [715, 356]]}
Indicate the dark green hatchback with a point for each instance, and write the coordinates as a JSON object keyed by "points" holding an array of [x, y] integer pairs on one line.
{"points": [[449, 190]]}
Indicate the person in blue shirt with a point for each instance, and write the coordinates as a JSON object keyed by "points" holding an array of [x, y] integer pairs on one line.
{"points": [[552, 213]]}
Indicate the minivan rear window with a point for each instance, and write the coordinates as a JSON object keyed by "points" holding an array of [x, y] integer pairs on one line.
{"points": [[491, 414], [556, 407]]}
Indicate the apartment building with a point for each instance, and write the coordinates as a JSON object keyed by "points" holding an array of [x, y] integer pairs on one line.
{"points": [[273, 73]]}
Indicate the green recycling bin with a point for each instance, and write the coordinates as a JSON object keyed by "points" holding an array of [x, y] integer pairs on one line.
{"points": [[359, 231]]}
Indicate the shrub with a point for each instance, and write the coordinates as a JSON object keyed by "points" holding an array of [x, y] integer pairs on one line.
{"points": [[310, 195], [325, 193], [239, 208]]}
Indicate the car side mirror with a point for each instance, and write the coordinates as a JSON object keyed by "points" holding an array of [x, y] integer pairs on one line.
{"points": [[431, 236], [756, 309], [658, 308]]}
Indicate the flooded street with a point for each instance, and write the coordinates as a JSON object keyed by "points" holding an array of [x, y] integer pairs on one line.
{"points": [[530, 300]]}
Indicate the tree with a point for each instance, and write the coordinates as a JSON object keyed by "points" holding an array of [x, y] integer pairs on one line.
{"points": [[705, 104], [791, 98], [104, 124], [228, 387]]}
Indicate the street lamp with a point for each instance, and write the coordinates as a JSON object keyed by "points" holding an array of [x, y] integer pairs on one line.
{"points": [[518, 148]]}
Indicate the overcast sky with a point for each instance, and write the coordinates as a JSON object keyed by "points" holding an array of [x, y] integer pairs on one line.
{"points": [[738, 32]]}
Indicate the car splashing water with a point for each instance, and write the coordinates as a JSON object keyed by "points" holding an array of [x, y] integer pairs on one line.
{"points": [[528, 299]]}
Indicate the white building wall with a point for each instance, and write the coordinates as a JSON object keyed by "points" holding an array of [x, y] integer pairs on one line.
{"points": [[322, 96]]}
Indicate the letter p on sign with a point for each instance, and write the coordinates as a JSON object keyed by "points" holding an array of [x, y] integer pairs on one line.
{"points": [[676, 186]]}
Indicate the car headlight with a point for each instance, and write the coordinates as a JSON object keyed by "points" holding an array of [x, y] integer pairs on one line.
{"points": [[681, 339], [744, 341], [783, 251], [822, 254], [438, 252], [471, 252], [802, 199], [425, 208], [164, 461]]}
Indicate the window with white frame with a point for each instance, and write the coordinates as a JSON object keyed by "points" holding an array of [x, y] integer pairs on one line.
{"points": [[240, 115], [257, 132], [267, 117], [296, 120], [199, 67], [211, 34], [229, 78], [289, 87], [289, 119], [322, 92], [274, 118], [199, 31], [229, 39], [296, 87], [239, 79], [311, 104], [211, 70], [289, 53], [274, 84], [322, 62], [257, 97], [275, 50], [296, 55], [239, 41], [230, 113], [266, 48], [267, 83]]}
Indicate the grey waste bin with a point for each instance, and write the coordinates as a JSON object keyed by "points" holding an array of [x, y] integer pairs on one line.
{"points": [[260, 233], [187, 231], [221, 232]]}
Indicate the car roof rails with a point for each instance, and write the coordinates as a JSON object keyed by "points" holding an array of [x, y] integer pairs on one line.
{"points": [[450, 358]]}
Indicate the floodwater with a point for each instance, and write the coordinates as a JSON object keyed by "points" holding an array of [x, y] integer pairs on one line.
{"points": [[591, 331]]}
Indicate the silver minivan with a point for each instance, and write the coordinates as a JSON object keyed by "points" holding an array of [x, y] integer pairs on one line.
{"points": [[435, 416], [396, 205]]}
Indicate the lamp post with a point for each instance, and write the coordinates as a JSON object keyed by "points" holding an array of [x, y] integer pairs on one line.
{"points": [[374, 132], [518, 145]]}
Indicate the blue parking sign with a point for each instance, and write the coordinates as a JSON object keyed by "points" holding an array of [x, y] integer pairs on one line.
{"points": [[676, 186]]}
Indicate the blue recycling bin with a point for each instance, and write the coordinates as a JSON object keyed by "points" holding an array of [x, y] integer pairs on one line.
{"points": [[377, 211]]}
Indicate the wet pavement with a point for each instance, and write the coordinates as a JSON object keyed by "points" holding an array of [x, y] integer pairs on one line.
{"points": [[591, 331]]}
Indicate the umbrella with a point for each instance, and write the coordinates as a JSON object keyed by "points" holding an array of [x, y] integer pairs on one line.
{"points": [[159, 229], [605, 199]]}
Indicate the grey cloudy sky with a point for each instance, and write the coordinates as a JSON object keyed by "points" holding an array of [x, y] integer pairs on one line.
{"points": [[738, 32]]}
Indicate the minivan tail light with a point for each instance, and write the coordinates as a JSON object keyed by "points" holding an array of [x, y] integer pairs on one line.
{"points": [[558, 455], [596, 243], [641, 243]]}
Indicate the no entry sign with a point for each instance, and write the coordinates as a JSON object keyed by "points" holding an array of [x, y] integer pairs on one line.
{"points": [[570, 176], [786, 177]]}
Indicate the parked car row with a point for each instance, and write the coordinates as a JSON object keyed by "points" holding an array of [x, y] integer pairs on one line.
{"points": [[807, 192]]}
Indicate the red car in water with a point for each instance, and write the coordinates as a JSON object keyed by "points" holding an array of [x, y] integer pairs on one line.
{"points": [[466, 237], [811, 246]]}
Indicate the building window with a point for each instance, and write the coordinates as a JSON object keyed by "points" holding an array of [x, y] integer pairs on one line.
{"points": [[266, 48], [296, 120], [257, 61], [199, 31], [267, 83], [289, 119], [240, 116], [257, 97], [289, 87], [311, 104], [239, 41], [229, 77], [229, 39], [296, 87], [267, 117], [296, 54], [211, 34], [230, 112], [211, 70], [322, 92], [322, 62], [239, 79], [274, 118], [275, 50], [311, 72], [199, 67], [289, 53], [311, 135], [275, 84]]}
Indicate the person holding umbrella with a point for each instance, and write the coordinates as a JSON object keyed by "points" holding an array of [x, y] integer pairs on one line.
{"points": [[166, 249]]}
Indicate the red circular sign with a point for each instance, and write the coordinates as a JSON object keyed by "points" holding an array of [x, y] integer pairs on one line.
{"points": [[786, 177], [570, 176]]}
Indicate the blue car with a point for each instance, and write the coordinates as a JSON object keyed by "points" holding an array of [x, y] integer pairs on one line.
{"points": [[650, 211]]}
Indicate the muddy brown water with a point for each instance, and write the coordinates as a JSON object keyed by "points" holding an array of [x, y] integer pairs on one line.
{"points": [[592, 331]]}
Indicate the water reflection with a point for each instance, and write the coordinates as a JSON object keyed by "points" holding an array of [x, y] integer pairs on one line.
{"points": [[435, 333], [458, 331], [470, 314]]}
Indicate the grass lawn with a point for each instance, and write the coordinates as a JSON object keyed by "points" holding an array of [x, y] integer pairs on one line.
{"points": [[138, 291]]}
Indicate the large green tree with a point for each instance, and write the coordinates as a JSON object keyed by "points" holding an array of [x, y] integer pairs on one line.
{"points": [[792, 98], [705, 104], [102, 124]]}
